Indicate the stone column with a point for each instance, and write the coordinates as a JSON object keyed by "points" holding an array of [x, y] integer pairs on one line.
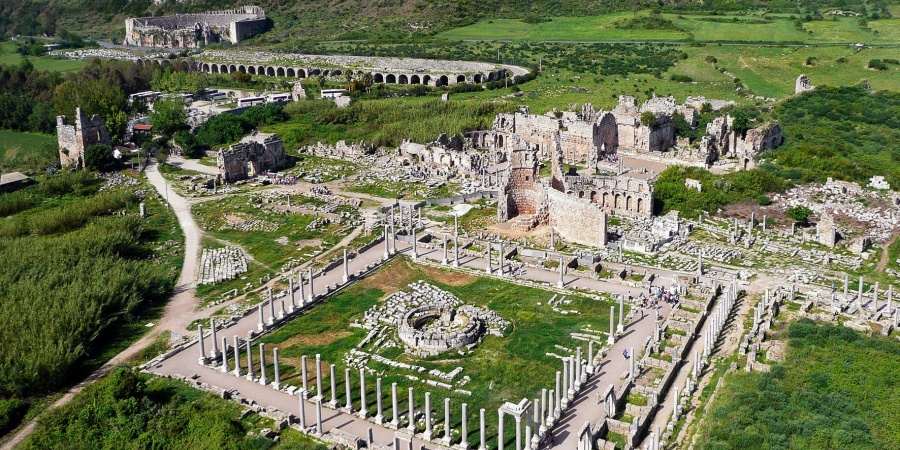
{"points": [[427, 435], [387, 248], [346, 277], [542, 414], [215, 341], [447, 424], [487, 258], [566, 378], [463, 429], [271, 306], [237, 357], [500, 429], [202, 344], [284, 311], [455, 251], [291, 290], [395, 416], [444, 238], [621, 328], [349, 404], [558, 401], [250, 361], [277, 383], [631, 359], [481, 435], [502, 259], [562, 271], [579, 373], [612, 326], [261, 323], [303, 411], [518, 420], [412, 412], [224, 354], [303, 375], [301, 288], [379, 413], [319, 416], [319, 392], [362, 393], [590, 355], [333, 378], [551, 408], [415, 244], [312, 289]]}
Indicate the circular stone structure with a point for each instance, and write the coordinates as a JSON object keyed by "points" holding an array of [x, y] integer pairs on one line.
{"points": [[432, 329]]}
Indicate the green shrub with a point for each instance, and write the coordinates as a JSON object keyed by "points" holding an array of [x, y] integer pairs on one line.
{"points": [[11, 412]]}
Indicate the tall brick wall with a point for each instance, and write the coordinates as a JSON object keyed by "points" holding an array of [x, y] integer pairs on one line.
{"points": [[576, 220]]}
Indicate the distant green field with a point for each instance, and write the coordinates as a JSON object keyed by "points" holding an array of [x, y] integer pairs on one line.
{"points": [[8, 56], [590, 28], [26, 151], [738, 28]]}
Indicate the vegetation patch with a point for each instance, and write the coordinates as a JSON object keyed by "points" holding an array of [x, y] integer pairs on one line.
{"points": [[835, 389]]}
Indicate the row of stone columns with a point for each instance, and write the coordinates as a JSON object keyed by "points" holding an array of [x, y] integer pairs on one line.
{"points": [[236, 368]]}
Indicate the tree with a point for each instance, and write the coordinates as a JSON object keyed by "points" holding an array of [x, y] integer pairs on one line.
{"points": [[647, 118], [168, 116], [98, 157], [800, 214]]}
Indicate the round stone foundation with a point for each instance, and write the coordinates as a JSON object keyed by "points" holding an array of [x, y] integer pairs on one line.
{"points": [[432, 329]]}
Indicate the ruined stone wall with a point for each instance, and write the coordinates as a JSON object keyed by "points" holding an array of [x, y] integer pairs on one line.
{"points": [[253, 156], [74, 139], [576, 220], [197, 29], [622, 194]]}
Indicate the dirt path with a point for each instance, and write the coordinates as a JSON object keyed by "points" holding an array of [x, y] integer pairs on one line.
{"points": [[886, 252], [175, 318]]}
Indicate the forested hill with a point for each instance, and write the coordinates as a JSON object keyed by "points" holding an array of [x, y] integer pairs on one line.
{"points": [[366, 19]]}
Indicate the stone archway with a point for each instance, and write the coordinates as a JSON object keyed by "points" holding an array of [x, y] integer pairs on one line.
{"points": [[390, 79], [478, 78], [618, 202], [415, 79], [251, 70], [301, 73], [628, 203], [378, 78], [215, 68], [280, 72], [442, 81], [232, 68], [242, 69], [640, 205], [205, 68], [270, 71], [460, 78], [403, 79], [291, 72], [426, 79]]}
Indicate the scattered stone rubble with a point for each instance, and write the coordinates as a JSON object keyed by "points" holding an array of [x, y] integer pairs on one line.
{"points": [[221, 264]]}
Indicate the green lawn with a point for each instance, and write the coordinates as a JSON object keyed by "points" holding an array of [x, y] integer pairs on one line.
{"points": [[8, 56], [501, 369], [287, 239], [701, 28], [26, 151], [588, 28]]}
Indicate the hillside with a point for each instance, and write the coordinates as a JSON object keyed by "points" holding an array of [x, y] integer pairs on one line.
{"points": [[365, 19]]}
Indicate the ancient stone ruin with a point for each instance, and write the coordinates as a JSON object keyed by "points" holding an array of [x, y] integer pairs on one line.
{"points": [[74, 139], [254, 155], [221, 264], [803, 84], [197, 29]]}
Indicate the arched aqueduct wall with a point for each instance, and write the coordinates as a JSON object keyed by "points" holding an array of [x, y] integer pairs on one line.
{"points": [[386, 77]]}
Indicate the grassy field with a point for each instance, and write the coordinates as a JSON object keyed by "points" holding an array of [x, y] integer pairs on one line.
{"points": [[500, 369], [699, 28], [26, 151], [404, 190], [8, 56], [278, 239], [835, 389]]}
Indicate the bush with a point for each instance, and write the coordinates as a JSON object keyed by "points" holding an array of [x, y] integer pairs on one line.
{"points": [[12, 411], [877, 64], [681, 78], [800, 214], [648, 118], [99, 157]]}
